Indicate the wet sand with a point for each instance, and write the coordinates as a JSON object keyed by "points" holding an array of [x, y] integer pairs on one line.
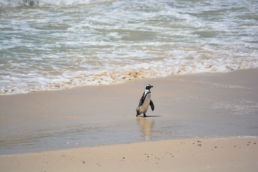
{"points": [[197, 154], [200, 105], [202, 115]]}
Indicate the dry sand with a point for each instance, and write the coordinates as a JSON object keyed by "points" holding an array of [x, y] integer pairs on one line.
{"points": [[226, 154]]}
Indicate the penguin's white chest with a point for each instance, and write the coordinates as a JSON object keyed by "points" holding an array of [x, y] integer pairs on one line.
{"points": [[146, 103]]}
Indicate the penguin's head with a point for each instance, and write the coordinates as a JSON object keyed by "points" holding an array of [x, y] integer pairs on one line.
{"points": [[148, 87]]}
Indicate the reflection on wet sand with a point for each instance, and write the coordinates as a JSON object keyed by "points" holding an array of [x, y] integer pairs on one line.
{"points": [[146, 127]]}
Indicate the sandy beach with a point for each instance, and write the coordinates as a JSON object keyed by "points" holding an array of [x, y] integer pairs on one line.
{"points": [[201, 105], [208, 122]]}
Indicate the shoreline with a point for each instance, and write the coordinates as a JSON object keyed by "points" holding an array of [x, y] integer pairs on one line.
{"points": [[200, 154], [133, 79]]}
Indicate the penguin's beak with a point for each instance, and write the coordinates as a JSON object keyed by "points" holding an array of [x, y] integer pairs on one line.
{"points": [[151, 86]]}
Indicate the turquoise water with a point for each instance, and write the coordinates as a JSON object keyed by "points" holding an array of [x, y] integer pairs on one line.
{"points": [[51, 45]]}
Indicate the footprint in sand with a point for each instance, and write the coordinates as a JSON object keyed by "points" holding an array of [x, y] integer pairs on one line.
{"points": [[148, 155]]}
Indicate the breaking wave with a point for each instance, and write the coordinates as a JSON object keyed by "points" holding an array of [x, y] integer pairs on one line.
{"points": [[52, 45]]}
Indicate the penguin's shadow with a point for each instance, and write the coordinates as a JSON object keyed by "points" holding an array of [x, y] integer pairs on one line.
{"points": [[150, 116]]}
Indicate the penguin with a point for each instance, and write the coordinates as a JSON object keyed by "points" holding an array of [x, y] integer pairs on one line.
{"points": [[145, 101]]}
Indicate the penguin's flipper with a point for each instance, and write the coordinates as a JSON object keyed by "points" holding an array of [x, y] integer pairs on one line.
{"points": [[141, 100], [152, 105]]}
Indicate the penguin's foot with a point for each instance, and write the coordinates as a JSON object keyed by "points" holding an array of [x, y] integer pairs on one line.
{"points": [[137, 113]]}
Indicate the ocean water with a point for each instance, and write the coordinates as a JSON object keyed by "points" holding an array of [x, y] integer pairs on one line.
{"points": [[51, 45]]}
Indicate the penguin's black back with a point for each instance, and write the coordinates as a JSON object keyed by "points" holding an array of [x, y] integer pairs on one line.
{"points": [[143, 98]]}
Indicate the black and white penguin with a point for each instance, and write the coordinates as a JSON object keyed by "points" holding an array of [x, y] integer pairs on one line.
{"points": [[145, 101]]}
